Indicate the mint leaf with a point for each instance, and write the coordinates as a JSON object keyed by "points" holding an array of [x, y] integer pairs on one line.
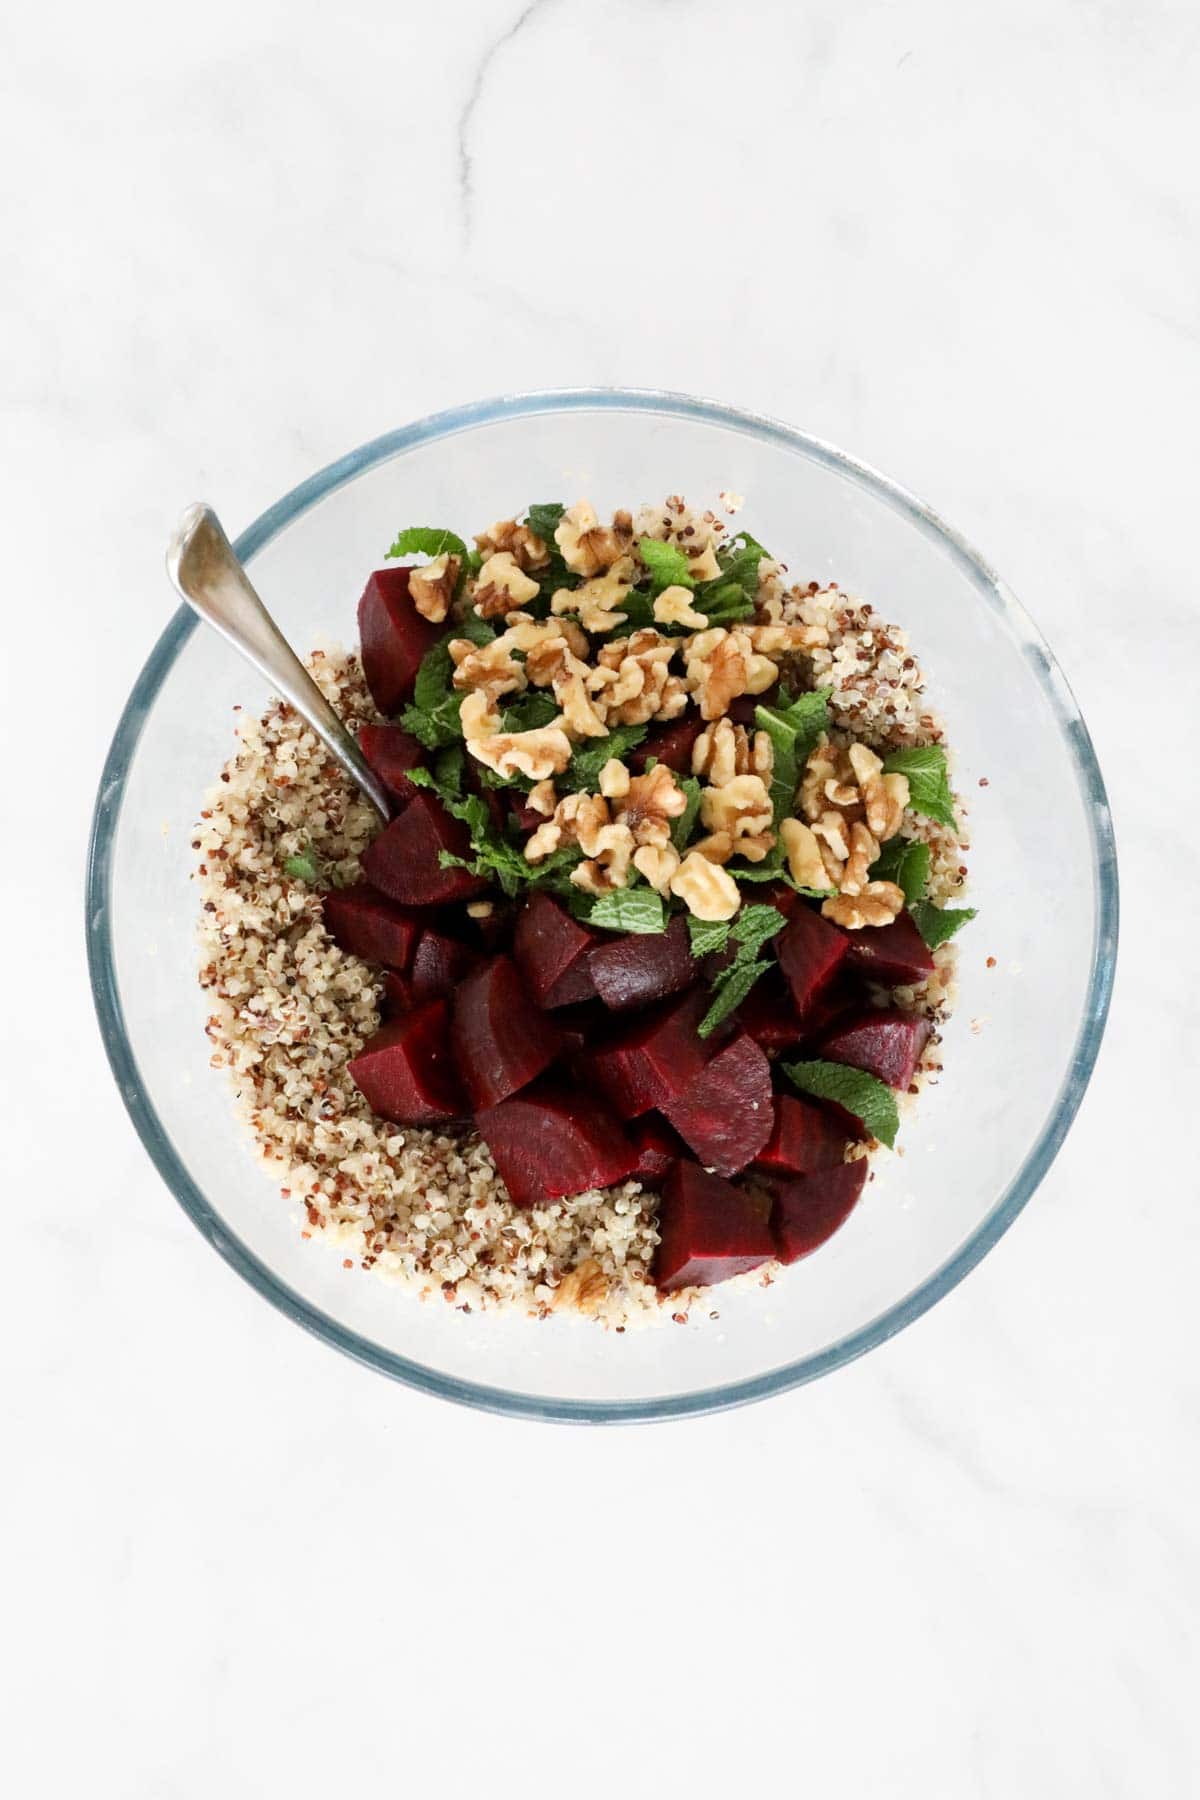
{"points": [[707, 935], [725, 604], [731, 595], [729, 990], [427, 540], [434, 677], [473, 628], [583, 770], [304, 867], [907, 864], [793, 730], [638, 607], [937, 923], [928, 783], [531, 712], [543, 520], [637, 909], [448, 766], [861, 1094], [667, 564], [753, 928], [685, 824]]}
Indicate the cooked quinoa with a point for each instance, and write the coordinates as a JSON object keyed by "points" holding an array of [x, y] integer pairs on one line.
{"points": [[288, 1009]]}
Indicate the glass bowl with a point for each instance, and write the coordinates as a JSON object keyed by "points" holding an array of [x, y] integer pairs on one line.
{"points": [[1017, 1053]]}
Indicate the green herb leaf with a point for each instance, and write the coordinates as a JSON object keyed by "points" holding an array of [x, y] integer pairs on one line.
{"points": [[707, 935], [667, 564], [861, 1094], [729, 990], [473, 628], [637, 909], [427, 540], [793, 730], [928, 783], [753, 928], [544, 519], [583, 770], [937, 923], [638, 608], [685, 824], [304, 867], [434, 677], [731, 595], [531, 712], [907, 864], [725, 604]]}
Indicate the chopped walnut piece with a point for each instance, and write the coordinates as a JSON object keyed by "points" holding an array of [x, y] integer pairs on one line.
{"points": [[741, 808], [805, 864], [779, 640], [820, 768], [542, 799], [588, 548], [722, 664], [614, 779], [608, 867], [705, 888], [598, 601], [431, 588], [543, 842], [863, 851], [674, 607], [582, 818], [632, 677], [501, 587], [526, 548], [649, 804], [537, 754], [478, 716], [886, 798], [487, 668], [879, 903], [724, 750], [582, 1289], [657, 863]]}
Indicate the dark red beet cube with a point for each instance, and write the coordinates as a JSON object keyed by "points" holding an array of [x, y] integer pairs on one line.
{"points": [[392, 753], [891, 954], [550, 1141], [501, 1040], [403, 860], [708, 1230], [768, 1015], [658, 1148], [635, 969], [393, 638], [654, 1057], [724, 1113], [552, 951], [582, 1026], [439, 963], [527, 819], [804, 1139], [406, 1071], [397, 995], [809, 1211], [368, 924], [810, 952], [670, 744], [887, 1045]]}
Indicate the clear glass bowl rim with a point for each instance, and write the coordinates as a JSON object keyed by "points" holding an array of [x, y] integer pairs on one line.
{"points": [[101, 963]]}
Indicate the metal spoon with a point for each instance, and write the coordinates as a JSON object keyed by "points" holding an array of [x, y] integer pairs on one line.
{"points": [[203, 567]]}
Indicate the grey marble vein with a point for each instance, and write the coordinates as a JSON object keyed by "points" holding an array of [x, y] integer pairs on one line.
{"points": [[466, 160]]}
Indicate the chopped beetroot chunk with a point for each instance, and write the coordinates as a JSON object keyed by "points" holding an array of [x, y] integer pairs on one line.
{"points": [[403, 861], [552, 951], [501, 1040], [669, 744], [393, 638], [810, 952], [654, 1056], [725, 1114], [439, 963], [406, 1072], [368, 924], [397, 995], [887, 1045], [809, 1211], [635, 969], [551, 1140], [709, 1230], [392, 753], [658, 1148], [768, 1015], [891, 954], [803, 1140]]}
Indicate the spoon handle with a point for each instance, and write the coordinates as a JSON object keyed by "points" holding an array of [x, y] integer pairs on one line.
{"points": [[204, 568]]}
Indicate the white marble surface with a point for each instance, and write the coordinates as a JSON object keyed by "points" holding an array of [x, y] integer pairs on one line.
{"points": [[960, 240]]}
